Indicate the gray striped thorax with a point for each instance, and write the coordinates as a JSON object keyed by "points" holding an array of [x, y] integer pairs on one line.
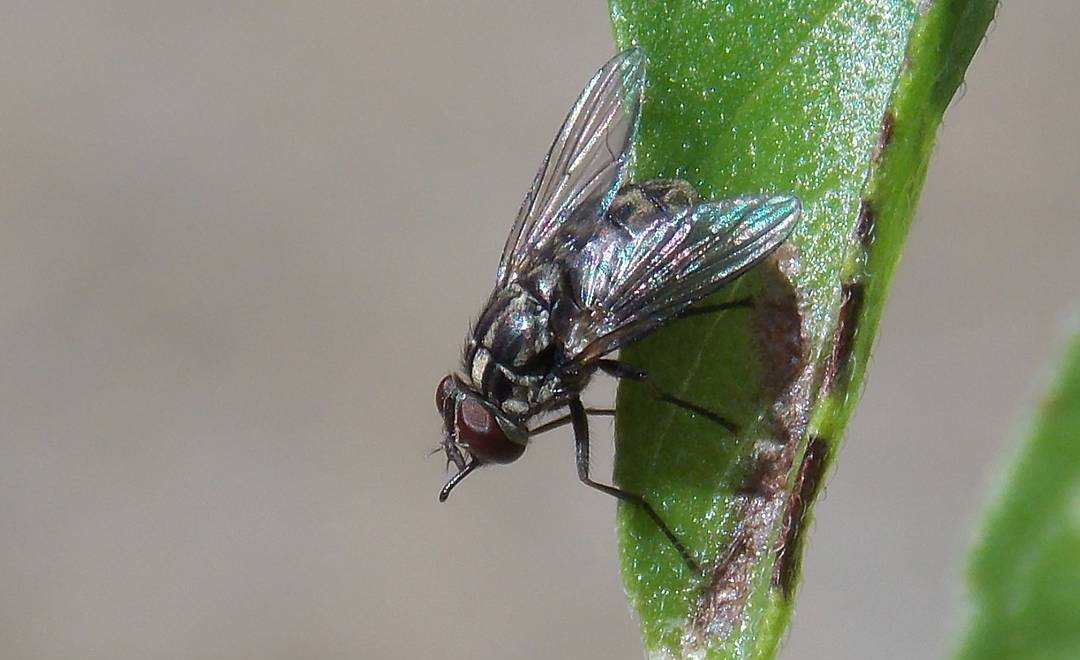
{"points": [[511, 352]]}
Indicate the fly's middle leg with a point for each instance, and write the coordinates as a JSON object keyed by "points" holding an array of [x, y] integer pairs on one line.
{"points": [[565, 419], [623, 370], [579, 419]]}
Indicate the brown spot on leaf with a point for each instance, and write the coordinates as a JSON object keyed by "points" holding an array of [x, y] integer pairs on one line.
{"points": [[885, 135], [867, 222], [780, 331], [805, 489], [851, 303], [729, 585], [757, 482]]}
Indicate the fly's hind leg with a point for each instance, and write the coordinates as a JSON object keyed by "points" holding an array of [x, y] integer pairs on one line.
{"points": [[623, 370], [741, 303], [579, 419]]}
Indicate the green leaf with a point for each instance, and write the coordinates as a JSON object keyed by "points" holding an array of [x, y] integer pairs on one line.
{"points": [[838, 102], [1025, 570]]}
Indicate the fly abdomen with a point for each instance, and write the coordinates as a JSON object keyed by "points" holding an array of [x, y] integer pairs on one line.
{"points": [[637, 204]]}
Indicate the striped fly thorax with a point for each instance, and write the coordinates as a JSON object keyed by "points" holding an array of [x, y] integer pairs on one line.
{"points": [[510, 352]]}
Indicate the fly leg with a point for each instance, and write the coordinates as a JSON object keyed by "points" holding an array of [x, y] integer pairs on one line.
{"points": [[565, 419], [746, 303], [624, 370], [579, 419]]}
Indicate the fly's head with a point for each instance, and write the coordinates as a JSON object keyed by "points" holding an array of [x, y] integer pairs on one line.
{"points": [[474, 432]]}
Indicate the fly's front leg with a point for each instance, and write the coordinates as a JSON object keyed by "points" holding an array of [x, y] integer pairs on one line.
{"points": [[579, 419], [624, 370]]}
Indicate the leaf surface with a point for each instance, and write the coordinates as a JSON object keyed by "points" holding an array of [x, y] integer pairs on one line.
{"points": [[837, 102]]}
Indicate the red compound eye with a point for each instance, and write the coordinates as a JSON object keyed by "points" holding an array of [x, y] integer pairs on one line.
{"points": [[480, 433]]}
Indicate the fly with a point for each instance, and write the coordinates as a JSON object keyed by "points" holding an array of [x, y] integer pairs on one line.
{"points": [[594, 263]]}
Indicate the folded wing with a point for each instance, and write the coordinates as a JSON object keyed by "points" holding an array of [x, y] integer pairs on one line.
{"points": [[629, 280], [585, 166]]}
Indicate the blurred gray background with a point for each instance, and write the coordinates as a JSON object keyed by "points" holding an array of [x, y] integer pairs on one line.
{"points": [[241, 243]]}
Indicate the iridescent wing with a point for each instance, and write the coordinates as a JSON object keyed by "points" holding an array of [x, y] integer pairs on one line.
{"points": [[630, 279], [585, 165]]}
